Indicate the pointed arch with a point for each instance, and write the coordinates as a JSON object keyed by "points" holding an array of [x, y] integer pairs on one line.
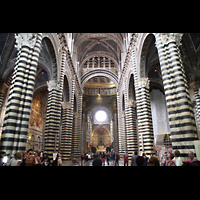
{"points": [[49, 49], [99, 72]]}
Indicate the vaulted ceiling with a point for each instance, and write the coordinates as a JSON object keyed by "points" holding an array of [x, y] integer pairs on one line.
{"points": [[98, 44]]}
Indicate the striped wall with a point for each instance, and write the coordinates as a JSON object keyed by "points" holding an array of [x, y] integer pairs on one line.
{"points": [[16, 121], [181, 116]]}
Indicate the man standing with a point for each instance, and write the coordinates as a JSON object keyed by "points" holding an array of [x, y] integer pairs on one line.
{"points": [[133, 159], [125, 159], [191, 157]]}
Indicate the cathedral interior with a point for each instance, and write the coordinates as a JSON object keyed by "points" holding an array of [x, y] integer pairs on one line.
{"points": [[92, 92]]}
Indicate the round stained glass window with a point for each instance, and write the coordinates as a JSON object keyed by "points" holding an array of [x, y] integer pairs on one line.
{"points": [[101, 116]]}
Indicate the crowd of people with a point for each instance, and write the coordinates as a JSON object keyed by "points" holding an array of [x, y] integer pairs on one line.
{"points": [[169, 158], [100, 158], [29, 158], [36, 158]]}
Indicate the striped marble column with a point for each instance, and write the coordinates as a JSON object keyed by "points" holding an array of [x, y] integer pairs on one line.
{"points": [[53, 118], [131, 130], [123, 133], [145, 126], [78, 128], [75, 138], [120, 125], [130, 125], [66, 135], [67, 124], [16, 121], [181, 116]]}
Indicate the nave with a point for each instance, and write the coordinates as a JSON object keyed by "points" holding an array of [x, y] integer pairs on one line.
{"points": [[91, 92]]}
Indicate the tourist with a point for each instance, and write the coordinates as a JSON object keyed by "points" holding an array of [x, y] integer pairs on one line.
{"points": [[97, 162], [140, 161], [177, 158], [17, 160], [191, 157], [153, 161], [163, 159], [145, 159], [108, 158], [170, 150], [125, 158], [59, 160], [87, 161], [11, 158], [37, 156], [103, 158], [30, 160], [117, 157], [169, 161], [133, 159], [45, 160], [82, 158]]}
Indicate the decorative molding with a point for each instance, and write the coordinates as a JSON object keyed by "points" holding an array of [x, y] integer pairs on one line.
{"points": [[25, 39], [166, 38], [53, 84], [143, 82]]}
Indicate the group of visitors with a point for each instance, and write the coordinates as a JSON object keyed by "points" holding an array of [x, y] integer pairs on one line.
{"points": [[100, 158], [167, 159], [30, 158], [36, 158], [173, 159]]}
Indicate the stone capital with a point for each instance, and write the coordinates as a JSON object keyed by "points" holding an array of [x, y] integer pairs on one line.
{"points": [[131, 103], [195, 84], [53, 85], [25, 39], [3, 88], [66, 105], [166, 38], [143, 82]]}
